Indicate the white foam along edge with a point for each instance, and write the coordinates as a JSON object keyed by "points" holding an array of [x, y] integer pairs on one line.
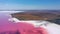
{"points": [[36, 23]]}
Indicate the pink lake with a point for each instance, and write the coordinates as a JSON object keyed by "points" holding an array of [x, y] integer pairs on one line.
{"points": [[5, 25]]}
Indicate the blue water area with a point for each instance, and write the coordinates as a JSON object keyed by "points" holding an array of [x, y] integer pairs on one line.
{"points": [[56, 21]]}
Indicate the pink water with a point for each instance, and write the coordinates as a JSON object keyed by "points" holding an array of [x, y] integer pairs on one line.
{"points": [[5, 25]]}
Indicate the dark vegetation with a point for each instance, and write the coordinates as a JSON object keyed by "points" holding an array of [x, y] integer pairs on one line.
{"points": [[49, 15], [37, 15]]}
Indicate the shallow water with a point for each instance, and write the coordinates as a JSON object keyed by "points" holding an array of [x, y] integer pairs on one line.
{"points": [[5, 15], [4, 18]]}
